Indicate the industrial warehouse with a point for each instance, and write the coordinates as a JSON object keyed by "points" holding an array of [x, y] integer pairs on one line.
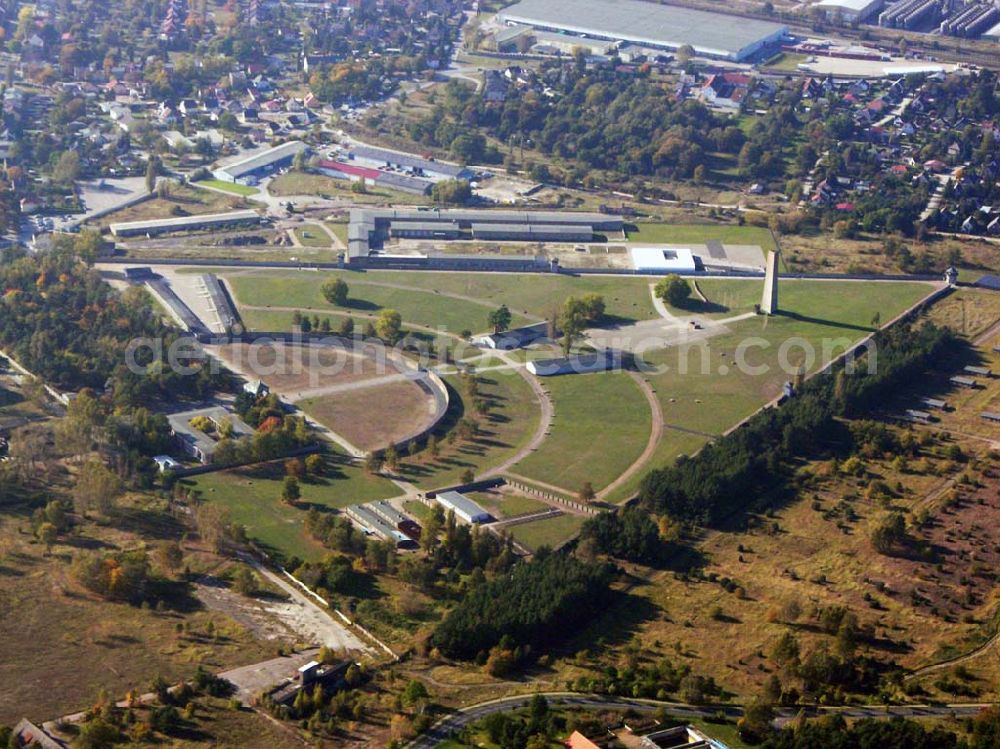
{"points": [[648, 24], [251, 169], [154, 227], [369, 228]]}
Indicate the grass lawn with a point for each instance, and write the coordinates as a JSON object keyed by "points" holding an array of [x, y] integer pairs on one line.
{"points": [[714, 393], [253, 497], [830, 303], [536, 295], [508, 505], [512, 421], [701, 233], [423, 307], [548, 532], [417, 509], [788, 62], [312, 236], [671, 446], [233, 187], [601, 425], [530, 297], [339, 230]]}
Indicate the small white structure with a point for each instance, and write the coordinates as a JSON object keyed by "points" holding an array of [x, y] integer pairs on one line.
{"points": [[463, 507], [662, 260], [166, 463]]}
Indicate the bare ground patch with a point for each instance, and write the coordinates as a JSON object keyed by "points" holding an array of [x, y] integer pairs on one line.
{"points": [[373, 417]]}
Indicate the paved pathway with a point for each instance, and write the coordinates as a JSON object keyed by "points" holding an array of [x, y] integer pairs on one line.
{"points": [[544, 421], [655, 434]]}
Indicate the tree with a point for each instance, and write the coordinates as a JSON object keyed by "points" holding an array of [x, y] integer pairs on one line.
{"points": [[390, 458], [335, 291], [97, 734], [673, 290], [414, 692], [587, 493], [452, 191], [295, 467], [47, 534], [67, 168], [684, 54], [389, 325], [314, 464], [245, 581], [171, 556], [290, 491], [96, 489], [152, 172], [888, 532], [500, 319], [574, 316]]}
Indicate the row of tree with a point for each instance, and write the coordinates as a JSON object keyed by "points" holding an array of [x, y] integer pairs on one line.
{"points": [[736, 472]]}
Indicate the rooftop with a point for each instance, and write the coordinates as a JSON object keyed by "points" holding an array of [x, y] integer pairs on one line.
{"points": [[264, 158], [371, 153], [181, 221], [856, 5], [459, 501], [662, 259], [180, 423], [644, 23]]}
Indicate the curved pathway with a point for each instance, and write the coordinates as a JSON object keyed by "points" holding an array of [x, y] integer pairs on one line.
{"points": [[655, 434], [956, 661], [544, 421]]}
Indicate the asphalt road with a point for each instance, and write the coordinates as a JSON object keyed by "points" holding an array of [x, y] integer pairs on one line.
{"points": [[448, 726]]}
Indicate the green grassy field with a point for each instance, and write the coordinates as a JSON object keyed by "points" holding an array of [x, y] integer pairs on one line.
{"points": [[548, 532], [671, 446], [701, 233], [312, 236], [831, 303], [417, 306], [253, 497], [508, 505], [714, 393], [339, 230], [231, 187], [601, 426], [433, 295], [512, 421], [537, 295]]}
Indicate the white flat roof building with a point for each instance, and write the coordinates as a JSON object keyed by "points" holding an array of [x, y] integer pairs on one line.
{"points": [[851, 11], [260, 163], [649, 24], [183, 223], [662, 260], [463, 507]]}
